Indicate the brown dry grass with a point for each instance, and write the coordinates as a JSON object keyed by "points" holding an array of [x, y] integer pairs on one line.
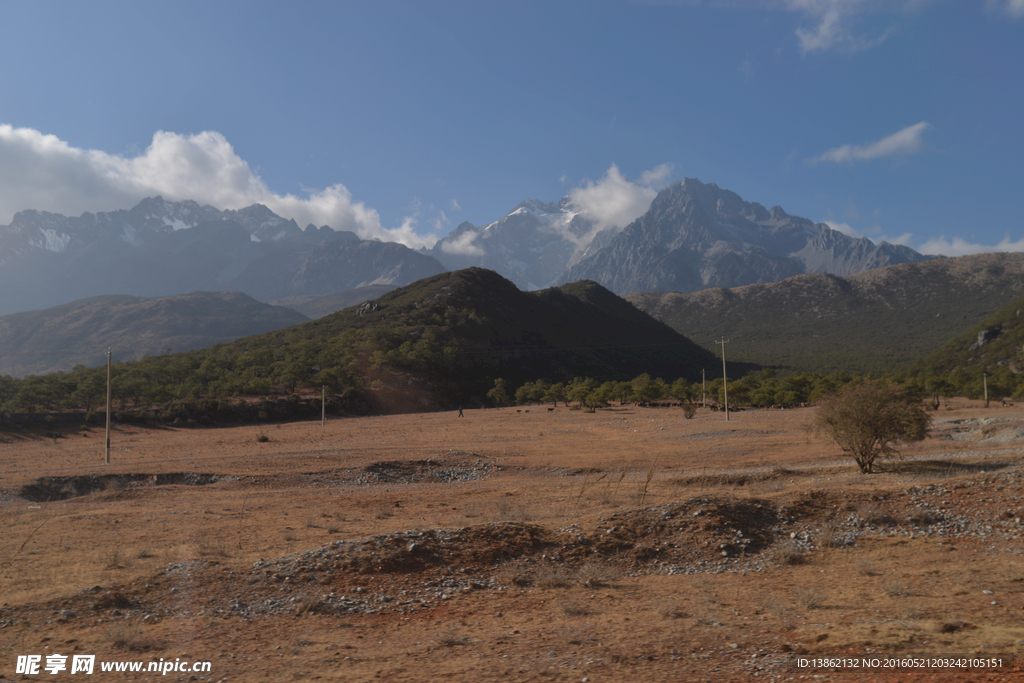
{"points": [[557, 618]]}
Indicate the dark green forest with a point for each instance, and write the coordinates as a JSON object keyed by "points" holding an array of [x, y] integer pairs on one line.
{"points": [[471, 338]]}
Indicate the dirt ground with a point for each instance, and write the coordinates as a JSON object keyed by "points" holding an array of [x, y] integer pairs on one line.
{"points": [[523, 544]]}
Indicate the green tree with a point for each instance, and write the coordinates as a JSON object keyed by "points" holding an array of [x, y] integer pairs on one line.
{"points": [[499, 394], [868, 419], [555, 393]]}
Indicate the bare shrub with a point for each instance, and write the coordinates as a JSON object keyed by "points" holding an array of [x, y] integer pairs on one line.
{"points": [[552, 576], [575, 609], [922, 518], [128, 637], [450, 637], [594, 574], [875, 515], [671, 609], [506, 510], [787, 553], [810, 597], [867, 568], [894, 588], [212, 547]]}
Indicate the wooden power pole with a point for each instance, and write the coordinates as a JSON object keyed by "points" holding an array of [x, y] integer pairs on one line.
{"points": [[107, 459], [323, 406], [725, 380]]}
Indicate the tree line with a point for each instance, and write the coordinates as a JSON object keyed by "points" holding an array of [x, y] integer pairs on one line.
{"points": [[361, 366]]}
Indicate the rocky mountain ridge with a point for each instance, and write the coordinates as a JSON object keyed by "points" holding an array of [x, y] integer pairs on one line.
{"points": [[697, 235]]}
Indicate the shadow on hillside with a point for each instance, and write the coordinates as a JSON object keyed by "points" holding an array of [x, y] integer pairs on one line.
{"points": [[21, 434], [939, 467]]}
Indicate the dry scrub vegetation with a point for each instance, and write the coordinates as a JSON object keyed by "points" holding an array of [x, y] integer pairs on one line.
{"points": [[628, 544]]}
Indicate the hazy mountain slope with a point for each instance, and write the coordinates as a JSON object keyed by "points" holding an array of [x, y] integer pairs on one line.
{"points": [[878, 320], [62, 337], [314, 307], [696, 236], [161, 248]]}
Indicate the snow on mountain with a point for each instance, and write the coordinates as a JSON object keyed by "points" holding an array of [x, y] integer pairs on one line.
{"points": [[531, 245]]}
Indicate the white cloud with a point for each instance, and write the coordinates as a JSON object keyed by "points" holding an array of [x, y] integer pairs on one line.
{"points": [[455, 205], [615, 201], [961, 247], [902, 240], [463, 245], [906, 141], [877, 237], [40, 171], [833, 21], [845, 228], [1013, 8], [658, 177]]}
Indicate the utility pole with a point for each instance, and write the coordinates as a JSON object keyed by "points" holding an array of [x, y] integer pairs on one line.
{"points": [[984, 378], [323, 407], [703, 390], [107, 459], [725, 380]]}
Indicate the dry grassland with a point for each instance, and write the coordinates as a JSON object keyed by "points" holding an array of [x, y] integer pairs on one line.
{"points": [[514, 545]]}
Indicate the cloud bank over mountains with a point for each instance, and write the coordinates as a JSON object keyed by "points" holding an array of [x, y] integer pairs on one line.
{"points": [[40, 171], [43, 172]]}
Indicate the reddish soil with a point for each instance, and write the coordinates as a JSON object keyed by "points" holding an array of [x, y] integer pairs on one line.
{"points": [[516, 545]]}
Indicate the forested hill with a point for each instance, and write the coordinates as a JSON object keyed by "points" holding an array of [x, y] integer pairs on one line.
{"points": [[438, 342], [878, 321], [989, 353]]}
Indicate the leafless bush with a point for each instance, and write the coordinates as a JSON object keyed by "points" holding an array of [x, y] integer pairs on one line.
{"points": [[594, 574], [922, 518], [552, 576], [129, 637], [786, 553], [508, 511], [671, 609], [875, 515], [811, 597], [450, 637], [575, 609]]}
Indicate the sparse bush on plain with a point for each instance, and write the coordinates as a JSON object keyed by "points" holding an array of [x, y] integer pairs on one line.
{"points": [[868, 420]]}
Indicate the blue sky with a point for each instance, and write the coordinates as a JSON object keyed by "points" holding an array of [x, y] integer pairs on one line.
{"points": [[898, 120]]}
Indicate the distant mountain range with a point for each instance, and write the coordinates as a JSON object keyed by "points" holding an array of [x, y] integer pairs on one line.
{"points": [[879, 320], [79, 333], [161, 248], [696, 236]]}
